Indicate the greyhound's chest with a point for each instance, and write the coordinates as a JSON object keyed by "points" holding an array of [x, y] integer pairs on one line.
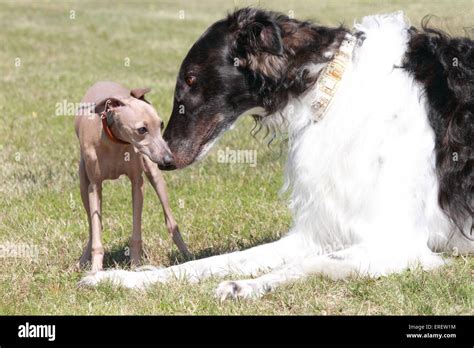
{"points": [[115, 162]]}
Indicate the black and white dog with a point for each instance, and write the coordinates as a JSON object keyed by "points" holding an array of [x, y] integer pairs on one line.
{"points": [[380, 122]]}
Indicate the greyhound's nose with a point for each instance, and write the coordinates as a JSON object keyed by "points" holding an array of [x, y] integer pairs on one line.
{"points": [[168, 161]]}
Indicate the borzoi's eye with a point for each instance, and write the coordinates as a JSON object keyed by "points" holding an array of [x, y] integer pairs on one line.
{"points": [[142, 130], [190, 80]]}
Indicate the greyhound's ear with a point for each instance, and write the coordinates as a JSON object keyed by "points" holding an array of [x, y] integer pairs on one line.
{"points": [[106, 104], [139, 93]]}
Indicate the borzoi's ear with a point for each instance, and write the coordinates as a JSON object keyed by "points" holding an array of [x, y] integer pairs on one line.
{"points": [[257, 32], [262, 36], [258, 44]]}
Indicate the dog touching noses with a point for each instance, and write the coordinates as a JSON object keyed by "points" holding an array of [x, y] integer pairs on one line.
{"points": [[168, 160], [122, 136]]}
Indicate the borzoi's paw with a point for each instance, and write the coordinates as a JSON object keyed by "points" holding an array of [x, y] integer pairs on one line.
{"points": [[238, 289], [90, 280], [432, 261]]}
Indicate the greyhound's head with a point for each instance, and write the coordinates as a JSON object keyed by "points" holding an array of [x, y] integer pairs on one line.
{"points": [[135, 121]]}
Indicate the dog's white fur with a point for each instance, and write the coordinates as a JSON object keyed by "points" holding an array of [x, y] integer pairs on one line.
{"points": [[364, 187]]}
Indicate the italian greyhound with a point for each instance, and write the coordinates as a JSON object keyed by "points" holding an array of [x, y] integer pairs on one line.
{"points": [[121, 134]]}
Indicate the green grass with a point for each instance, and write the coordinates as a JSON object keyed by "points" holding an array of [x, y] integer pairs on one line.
{"points": [[224, 207]]}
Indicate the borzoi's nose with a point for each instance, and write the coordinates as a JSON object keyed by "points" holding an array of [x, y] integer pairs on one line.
{"points": [[168, 161]]}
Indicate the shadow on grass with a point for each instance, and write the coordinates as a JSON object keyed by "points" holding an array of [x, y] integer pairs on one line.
{"points": [[176, 257], [118, 257]]}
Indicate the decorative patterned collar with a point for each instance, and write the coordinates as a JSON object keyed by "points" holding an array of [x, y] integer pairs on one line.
{"points": [[331, 76]]}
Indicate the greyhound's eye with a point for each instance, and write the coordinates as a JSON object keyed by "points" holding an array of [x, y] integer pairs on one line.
{"points": [[162, 126], [142, 130], [190, 80]]}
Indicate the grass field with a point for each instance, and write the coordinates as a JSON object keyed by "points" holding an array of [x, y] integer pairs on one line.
{"points": [[52, 52]]}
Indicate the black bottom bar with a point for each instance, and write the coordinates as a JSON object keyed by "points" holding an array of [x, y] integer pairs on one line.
{"points": [[154, 330]]}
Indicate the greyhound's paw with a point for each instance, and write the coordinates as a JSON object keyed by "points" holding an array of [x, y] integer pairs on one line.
{"points": [[246, 289]]}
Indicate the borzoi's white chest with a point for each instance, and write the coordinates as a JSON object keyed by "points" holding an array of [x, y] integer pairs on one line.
{"points": [[365, 172]]}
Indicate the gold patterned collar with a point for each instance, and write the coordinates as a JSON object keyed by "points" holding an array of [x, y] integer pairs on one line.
{"points": [[331, 76]]}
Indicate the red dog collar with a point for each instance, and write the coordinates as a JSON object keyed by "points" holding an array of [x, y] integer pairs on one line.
{"points": [[108, 131]]}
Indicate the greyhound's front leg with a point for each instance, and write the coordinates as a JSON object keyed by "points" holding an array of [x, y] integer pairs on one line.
{"points": [[95, 205], [137, 202], [157, 181], [84, 180]]}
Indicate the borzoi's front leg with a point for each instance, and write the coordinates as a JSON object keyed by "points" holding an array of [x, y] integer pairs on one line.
{"points": [[257, 287], [338, 265], [247, 263]]}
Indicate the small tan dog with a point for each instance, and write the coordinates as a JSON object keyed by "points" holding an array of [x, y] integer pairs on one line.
{"points": [[121, 136]]}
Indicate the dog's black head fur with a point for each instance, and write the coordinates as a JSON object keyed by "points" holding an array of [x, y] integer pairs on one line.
{"points": [[445, 66], [251, 59]]}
